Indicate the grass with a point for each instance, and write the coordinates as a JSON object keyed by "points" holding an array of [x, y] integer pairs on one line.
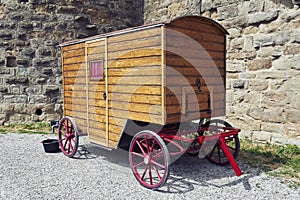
{"points": [[34, 128], [277, 160]]}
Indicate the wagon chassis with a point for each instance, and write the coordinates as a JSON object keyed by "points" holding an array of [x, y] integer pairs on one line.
{"points": [[151, 152]]}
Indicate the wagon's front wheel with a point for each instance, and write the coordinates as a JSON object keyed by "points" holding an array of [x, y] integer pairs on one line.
{"points": [[68, 136], [149, 159]]}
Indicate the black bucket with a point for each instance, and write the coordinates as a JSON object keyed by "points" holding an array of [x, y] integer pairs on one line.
{"points": [[51, 145]]}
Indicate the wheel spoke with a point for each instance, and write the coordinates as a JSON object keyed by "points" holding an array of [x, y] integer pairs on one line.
{"points": [[138, 143], [65, 144], [158, 164], [150, 174], [152, 147], [137, 154], [147, 145], [139, 164], [69, 146], [73, 140], [144, 173], [156, 171], [157, 155]]}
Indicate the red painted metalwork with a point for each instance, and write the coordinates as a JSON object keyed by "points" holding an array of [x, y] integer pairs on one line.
{"points": [[68, 136], [219, 140], [149, 159]]}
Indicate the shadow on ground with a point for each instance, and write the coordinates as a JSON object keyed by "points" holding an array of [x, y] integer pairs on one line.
{"points": [[185, 173]]}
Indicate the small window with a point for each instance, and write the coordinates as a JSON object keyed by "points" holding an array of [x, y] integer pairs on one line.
{"points": [[96, 70]]}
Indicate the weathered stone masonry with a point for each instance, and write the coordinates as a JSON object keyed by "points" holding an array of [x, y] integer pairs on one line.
{"points": [[263, 55], [30, 30], [263, 61]]}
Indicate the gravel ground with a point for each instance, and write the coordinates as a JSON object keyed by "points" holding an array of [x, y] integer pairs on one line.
{"points": [[27, 172]]}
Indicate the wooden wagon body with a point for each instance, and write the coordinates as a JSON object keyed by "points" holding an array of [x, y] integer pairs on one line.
{"points": [[163, 73]]}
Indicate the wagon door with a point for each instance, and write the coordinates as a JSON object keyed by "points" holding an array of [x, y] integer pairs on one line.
{"points": [[97, 113]]}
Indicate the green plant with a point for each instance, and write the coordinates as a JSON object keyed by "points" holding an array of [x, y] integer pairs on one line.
{"points": [[277, 160]]}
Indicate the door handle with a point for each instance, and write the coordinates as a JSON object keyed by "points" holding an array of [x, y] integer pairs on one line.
{"points": [[104, 96]]}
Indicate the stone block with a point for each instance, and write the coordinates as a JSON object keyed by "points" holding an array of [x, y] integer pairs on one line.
{"points": [[258, 84], [248, 43], [249, 55], [287, 62], [23, 62], [293, 116], [234, 32], [227, 12], [17, 80], [235, 66], [26, 25], [269, 51], [3, 89], [11, 99], [292, 130], [279, 139], [273, 127], [261, 137], [247, 75], [50, 89], [259, 63], [282, 37], [290, 14], [237, 43], [238, 84], [291, 49], [272, 114], [250, 30], [283, 75], [68, 9], [260, 40], [262, 17], [29, 51], [274, 98], [295, 35]]}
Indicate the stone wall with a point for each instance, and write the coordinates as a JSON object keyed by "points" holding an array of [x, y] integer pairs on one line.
{"points": [[30, 30], [162, 10], [263, 61]]}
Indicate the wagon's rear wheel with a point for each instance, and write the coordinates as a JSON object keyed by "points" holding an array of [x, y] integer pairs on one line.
{"points": [[149, 159], [68, 136], [216, 155]]}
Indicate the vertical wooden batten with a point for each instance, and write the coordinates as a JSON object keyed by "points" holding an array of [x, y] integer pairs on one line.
{"points": [[163, 73], [87, 88], [106, 91]]}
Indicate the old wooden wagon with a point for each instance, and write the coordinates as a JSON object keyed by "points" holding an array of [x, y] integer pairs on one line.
{"points": [[142, 89]]}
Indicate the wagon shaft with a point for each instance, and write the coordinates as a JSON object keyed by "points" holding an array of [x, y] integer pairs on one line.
{"points": [[230, 157]]}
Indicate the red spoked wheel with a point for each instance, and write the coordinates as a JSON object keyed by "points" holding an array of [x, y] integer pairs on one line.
{"points": [[216, 155], [149, 159], [68, 136]]}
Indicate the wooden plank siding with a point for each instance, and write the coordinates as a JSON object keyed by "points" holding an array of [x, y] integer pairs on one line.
{"points": [[134, 77], [74, 78], [96, 115], [194, 52], [149, 74]]}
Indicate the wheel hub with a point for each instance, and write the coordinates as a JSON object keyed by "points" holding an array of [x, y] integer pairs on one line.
{"points": [[146, 160]]}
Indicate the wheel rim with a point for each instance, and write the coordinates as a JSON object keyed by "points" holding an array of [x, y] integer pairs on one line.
{"points": [[149, 160], [216, 155], [68, 136]]}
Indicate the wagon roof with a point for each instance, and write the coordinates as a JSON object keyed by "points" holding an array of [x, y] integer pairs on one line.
{"points": [[146, 26]]}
